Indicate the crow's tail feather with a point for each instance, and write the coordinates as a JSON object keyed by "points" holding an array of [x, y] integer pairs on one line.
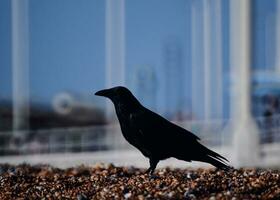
{"points": [[217, 163], [216, 159], [215, 155]]}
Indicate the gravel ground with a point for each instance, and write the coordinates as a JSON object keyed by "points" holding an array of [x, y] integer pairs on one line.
{"points": [[110, 182]]}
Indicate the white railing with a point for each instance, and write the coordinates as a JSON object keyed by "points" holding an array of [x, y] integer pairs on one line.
{"points": [[73, 139], [214, 134]]}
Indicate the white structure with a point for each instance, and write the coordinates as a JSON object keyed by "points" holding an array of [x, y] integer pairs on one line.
{"points": [[197, 84], [65, 103], [115, 46], [217, 86], [277, 54], [207, 73], [245, 132], [206, 59], [20, 64]]}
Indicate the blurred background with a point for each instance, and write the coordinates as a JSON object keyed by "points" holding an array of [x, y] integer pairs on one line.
{"points": [[211, 66]]}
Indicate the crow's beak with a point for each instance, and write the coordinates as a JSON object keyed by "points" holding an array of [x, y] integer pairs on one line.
{"points": [[104, 93]]}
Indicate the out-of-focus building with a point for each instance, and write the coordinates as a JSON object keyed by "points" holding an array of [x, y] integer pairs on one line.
{"points": [[174, 77], [145, 84], [66, 111]]}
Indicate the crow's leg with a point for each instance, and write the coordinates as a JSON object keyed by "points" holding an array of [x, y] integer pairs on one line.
{"points": [[153, 165]]}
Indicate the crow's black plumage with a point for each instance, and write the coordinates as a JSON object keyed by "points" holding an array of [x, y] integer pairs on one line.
{"points": [[156, 137]]}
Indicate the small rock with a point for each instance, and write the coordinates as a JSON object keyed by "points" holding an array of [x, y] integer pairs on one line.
{"points": [[12, 170], [82, 197], [140, 197], [192, 196], [171, 194], [127, 195]]}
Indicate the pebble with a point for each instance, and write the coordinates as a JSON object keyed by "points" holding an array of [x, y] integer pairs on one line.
{"points": [[127, 195], [110, 182], [171, 194], [82, 197]]}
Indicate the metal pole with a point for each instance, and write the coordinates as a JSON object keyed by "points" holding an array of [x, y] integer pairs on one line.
{"points": [[219, 60], [206, 59], [194, 64], [277, 58], [115, 46], [245, 131], [20, 64]]}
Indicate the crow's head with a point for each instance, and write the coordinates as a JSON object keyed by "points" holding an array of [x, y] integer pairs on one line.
{"points": [[116, 94]]}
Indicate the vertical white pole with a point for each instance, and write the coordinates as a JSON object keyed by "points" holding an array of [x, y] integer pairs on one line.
{"points": [[277, 59], [194, 53], [245, 138], [20, 64], [115, 46], [219, 60], [206, 59]]}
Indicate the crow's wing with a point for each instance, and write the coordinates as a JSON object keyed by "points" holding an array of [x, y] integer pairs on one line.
{"points": [[159, 134], [153, 124]]}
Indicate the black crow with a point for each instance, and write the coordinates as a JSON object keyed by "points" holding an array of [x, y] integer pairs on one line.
{"points": [[156, 137]]}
